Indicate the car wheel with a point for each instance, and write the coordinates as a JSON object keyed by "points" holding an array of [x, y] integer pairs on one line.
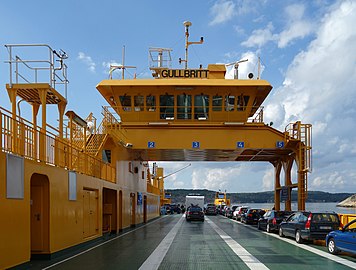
{"points": [[298, 237], [332, 247], [280, 232], [268, 229]]}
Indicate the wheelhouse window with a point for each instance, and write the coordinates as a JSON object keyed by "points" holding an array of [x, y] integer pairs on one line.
{"points": [[201, 107], [151, 103], [166, 104], [184, 106], [125, 102], [139, 103], [229, 103], [217, 103], [242, 102]]}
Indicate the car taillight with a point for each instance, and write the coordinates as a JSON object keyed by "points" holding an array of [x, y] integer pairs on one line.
{"points": [[189, 213], [274, 221], [307, 225], [250, 215]]}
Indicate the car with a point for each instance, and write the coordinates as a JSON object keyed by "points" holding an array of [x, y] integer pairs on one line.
{"points": [[194, 213], [271, 219], [163, 210], [252, 215], [239, 212], [342, 240], [229, 212], [210, 209], [304, 225], [168, 208]]}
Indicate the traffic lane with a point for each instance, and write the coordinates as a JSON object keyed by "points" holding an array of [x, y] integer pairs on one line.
{"points": [[127, 251], [272, 251], [198, 246]]}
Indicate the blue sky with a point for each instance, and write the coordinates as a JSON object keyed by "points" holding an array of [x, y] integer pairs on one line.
{"points": [[307, 50]]}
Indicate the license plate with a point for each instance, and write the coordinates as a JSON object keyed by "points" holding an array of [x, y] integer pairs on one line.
{"points": [[325, 227]]}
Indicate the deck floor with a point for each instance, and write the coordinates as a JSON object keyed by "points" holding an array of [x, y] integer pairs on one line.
{"points": [[171, 242]]}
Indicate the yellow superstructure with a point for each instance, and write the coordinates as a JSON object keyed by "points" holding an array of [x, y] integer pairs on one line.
{"points": [[221, 199]]}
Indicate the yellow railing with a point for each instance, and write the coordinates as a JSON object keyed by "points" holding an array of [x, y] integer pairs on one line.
{"points": [[20, 137]]}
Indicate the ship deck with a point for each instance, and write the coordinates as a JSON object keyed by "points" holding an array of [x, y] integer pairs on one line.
{"points": [[170, 242]]}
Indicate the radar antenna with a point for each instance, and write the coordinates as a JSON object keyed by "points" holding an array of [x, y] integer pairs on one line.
{"points": [[236, 67]]}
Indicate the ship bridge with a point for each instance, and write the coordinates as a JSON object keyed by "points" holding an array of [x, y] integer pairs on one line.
{"points": [[198, 115], [179, 117]]}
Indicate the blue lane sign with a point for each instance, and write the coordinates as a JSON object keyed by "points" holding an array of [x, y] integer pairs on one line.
{"points": [[240, 144], [196, 145], [280, 144], [151, 144]]}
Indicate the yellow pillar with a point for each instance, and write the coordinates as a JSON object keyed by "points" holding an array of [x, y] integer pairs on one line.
{"points": [[12, 92], [277, 185], [287, 167], [60, 153], [35, 108], [43, 95]]}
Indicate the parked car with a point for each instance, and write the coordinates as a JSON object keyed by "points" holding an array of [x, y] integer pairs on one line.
{"points": [[271, 219], [342, 240], [168, 208], [210, 209], [194, 213], [252, 216], [309, 226], [230, 210], [163, 210], [239, 212]]}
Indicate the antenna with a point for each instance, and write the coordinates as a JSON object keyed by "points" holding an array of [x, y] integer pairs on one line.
{"points": [[123, 67], [236, 67], [187, 24]]}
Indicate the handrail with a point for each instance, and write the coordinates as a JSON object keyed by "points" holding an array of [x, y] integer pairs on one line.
{"points": [[43, 146], [15, 63]]}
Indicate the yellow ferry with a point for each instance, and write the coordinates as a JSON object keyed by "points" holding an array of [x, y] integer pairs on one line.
{"points": [[64, 186]]}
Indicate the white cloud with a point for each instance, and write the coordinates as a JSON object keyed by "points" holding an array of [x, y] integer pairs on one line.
{"points": [[215, 178], [297, 26], [222, 11], [260, 37], [87, 60], [268, 180], [318, 89]]}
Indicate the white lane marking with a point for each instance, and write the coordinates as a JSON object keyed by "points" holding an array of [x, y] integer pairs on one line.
{"points": [[251, 261], [101, 244], [156, 257], [324, 254]]}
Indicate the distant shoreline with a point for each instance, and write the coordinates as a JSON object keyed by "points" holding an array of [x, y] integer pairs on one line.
{"points": [[178, 196]]}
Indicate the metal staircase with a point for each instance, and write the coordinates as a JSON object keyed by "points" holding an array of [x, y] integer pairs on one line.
{"points": [[302, 135]]}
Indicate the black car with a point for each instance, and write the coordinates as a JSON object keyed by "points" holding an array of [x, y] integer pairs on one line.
{"points": [[309, 226], [252, 216], [194, 213], [211, 209], [271, 219]]}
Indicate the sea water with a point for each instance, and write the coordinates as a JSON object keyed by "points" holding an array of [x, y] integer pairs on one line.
{"points": [[320, 206]]}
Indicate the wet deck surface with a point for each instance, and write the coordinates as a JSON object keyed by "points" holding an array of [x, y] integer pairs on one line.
{"points": [[171, 242]]}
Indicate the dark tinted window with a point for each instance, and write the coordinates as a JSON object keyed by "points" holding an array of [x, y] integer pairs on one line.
{"points": [[325, 217], [195, 209]]}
